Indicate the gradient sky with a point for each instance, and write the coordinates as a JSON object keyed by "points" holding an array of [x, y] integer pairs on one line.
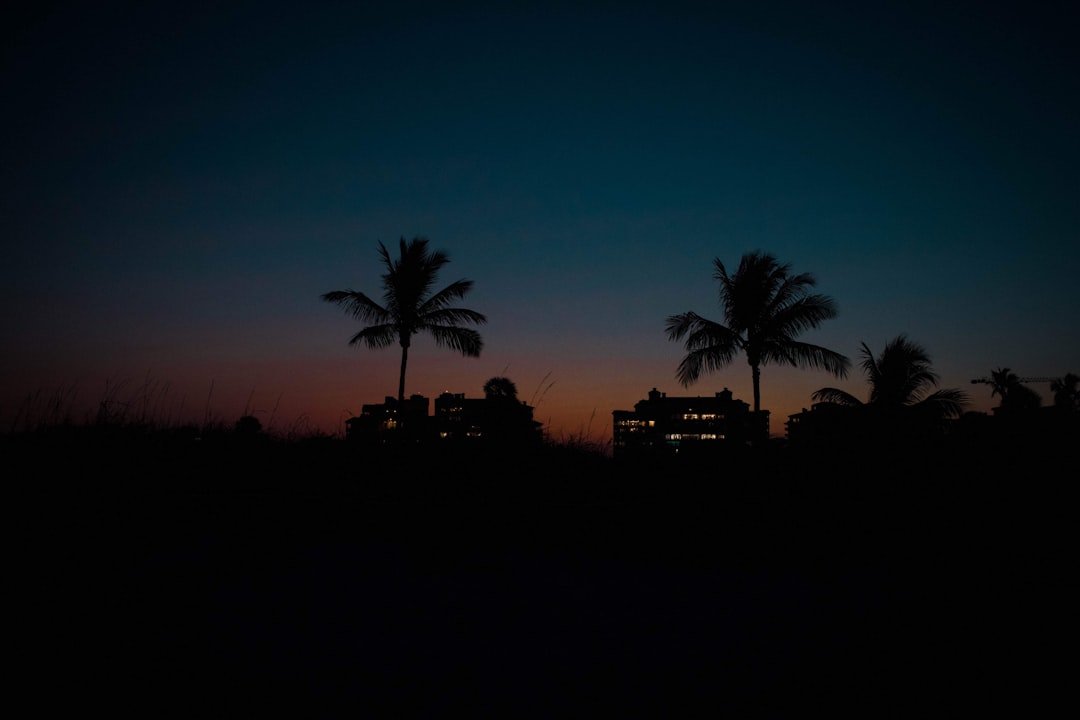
{"points": [[180, 185]]}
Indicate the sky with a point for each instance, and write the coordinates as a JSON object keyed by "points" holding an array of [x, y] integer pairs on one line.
{"points": [[180, 183]]}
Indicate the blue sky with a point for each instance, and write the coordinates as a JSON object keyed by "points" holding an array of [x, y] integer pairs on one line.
{"points": [[180, 186]]}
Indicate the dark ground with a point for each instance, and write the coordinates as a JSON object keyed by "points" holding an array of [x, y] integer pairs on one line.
{"points": [[222, 576]]}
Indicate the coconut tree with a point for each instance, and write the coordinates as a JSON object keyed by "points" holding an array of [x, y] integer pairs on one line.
{"points": [[901, 381], [766, 307], [410, 307]]}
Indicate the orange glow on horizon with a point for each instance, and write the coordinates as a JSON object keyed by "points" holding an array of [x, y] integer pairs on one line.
{"points": [[307, 394]]}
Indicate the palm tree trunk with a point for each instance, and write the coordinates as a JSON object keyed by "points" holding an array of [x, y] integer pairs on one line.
{"points": [[757, 387], [401, 377]]}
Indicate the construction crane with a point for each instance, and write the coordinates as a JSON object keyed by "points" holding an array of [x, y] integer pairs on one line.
{"points": [[1012, 390], [1023, 380]]}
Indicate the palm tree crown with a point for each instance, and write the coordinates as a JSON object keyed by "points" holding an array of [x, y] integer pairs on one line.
{"points": [[1066, 394], [500, 387], [409, 307], [766, 308], [1011, 389], [900, 377]]}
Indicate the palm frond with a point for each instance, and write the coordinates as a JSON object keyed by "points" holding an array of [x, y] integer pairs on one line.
{"points": [[869, 364], [700, 332], [805, 356], [901, 378], [359, 305], [677, 326], [797, 315], [447, 317], [705, 360], [788, 291], [946, 403], [376, 336], [454, 291], [901, 375], [464, 340], [409, 279], [835, 395], [746, 296], [709, 345]]}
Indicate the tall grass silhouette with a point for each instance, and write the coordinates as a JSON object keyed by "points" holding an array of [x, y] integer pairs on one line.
{"points": [[146, 405]]}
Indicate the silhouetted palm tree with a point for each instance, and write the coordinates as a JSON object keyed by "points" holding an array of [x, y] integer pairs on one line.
{"points": [[1011, 389], [409, 307], [1002, 381], [1066, 392], [901, 379], [766, 308], [500, 387]]}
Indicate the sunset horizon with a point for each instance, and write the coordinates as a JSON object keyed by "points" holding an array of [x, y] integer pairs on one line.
{"points": [[180, 189]]}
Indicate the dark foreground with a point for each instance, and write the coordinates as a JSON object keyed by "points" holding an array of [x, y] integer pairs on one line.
{"points": [[166, 577]]}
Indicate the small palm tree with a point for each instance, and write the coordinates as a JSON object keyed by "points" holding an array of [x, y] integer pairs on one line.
{"points": [[409, 307], [1014, 394], [901, 380], [1002, 382], [500, 387], [766, 308], [1066, 392]]}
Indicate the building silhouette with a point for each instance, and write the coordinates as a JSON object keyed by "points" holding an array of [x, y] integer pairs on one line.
{"points": [[488, 419], [389, 420], [662, 425], [824, 421], [491, 421]]}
